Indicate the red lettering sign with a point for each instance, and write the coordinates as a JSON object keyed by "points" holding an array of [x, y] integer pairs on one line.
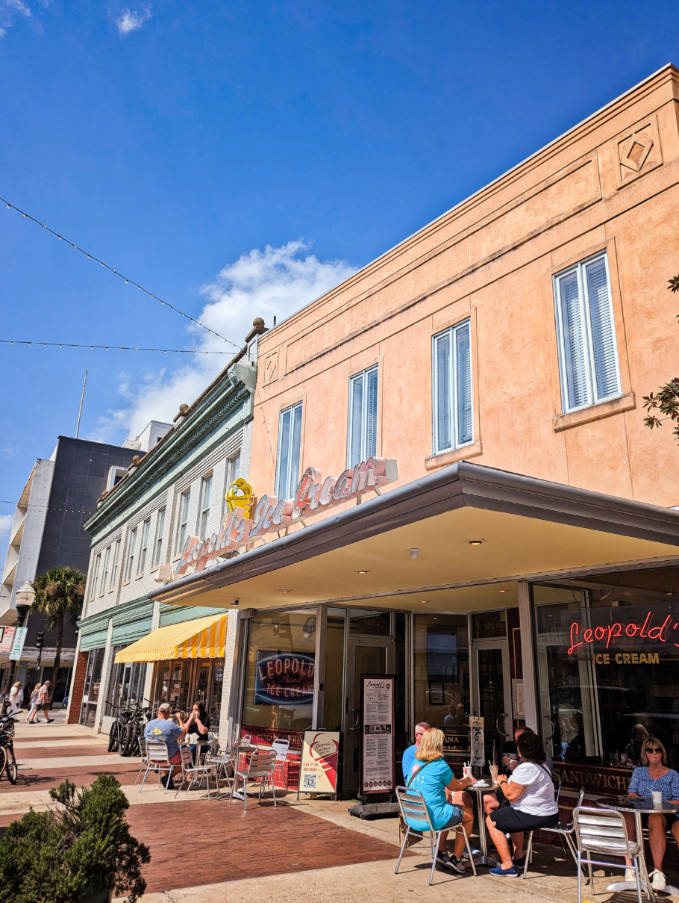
{"points": [[608, 633]]}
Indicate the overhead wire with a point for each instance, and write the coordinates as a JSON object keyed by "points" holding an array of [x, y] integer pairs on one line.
{"points": [[85, 347], [115, 271]]}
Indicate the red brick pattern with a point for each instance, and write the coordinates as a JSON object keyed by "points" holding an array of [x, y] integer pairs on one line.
{"points": [[76, 698]]}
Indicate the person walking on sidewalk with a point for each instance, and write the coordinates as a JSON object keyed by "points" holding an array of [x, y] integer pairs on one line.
{"points": [[33, 707], [16, 697], [44, 701]]}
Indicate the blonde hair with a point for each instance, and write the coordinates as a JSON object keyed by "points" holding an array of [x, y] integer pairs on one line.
{"points": [[652, 741], [17, 684], [431, 745]]}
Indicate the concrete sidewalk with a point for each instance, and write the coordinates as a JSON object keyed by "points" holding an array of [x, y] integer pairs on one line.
{"points": [[52, 752]]}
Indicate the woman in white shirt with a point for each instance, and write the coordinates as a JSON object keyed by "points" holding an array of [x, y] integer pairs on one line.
{"points": [[530, 794], [16, 697]]}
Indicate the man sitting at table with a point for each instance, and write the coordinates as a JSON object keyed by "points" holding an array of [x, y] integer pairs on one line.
{"points": [[162, 728], [409, 753]]}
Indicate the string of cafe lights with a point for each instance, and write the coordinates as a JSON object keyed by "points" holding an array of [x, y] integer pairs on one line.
{"points": [[114, 270], [62, 345]]}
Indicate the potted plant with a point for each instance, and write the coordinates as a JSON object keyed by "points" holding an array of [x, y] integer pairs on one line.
{"points": [[80, 851]]}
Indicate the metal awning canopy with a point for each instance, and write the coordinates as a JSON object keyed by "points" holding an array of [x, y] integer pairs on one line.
{"points": [[530, 529]]}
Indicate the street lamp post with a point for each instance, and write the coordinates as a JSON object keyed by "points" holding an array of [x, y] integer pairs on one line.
{"points": [[25, 597]]}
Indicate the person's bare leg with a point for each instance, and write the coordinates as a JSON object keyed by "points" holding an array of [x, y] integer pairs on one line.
{"points": [[468, 822], [517, 844], [490, 803], [501, 844], [656, 839], [443, 841], [631, 832]]}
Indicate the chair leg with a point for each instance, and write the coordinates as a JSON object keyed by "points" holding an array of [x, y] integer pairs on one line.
{"points": [[637, 877], [590, 872], [528, 854], [579, 865], [273, 792], [435, 852], [141, 786], [469, 850], [403, 846]]}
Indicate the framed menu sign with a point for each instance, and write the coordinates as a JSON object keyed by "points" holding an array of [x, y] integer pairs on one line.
{"points": [[377, 743]]}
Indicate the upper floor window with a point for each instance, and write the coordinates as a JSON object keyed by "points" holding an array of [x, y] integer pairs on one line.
{"points": [[95, 575], [289, 440], [204, 512], [588, 354], [452, 388], [182, 521], [143, 545], [104, 573], [362, 432], [114, 566], [131, 547], [158, 541]]}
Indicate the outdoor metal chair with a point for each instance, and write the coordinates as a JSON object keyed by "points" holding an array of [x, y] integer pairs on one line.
{"points": [[260, 766], [194, 774], [412, 805], [224, 763], [144, 761], [158, 761], [603, 833], [565, 831], [281, 747]]}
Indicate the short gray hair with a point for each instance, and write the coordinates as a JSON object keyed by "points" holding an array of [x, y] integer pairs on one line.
{"points": [[165, 708]]}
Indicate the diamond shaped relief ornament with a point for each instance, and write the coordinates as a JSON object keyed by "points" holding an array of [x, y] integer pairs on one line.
{"points": [[639, 152]]}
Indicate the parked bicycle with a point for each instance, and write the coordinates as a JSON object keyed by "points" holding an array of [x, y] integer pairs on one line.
{"points": [[133, 730], [8, 762], [118, 727]]}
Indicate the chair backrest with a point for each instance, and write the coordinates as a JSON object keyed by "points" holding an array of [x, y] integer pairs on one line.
{"points": [[412, 806], [245, 739], [281, 748], [142, 746], [261, 762], [156, 751], [186, 757], [601, 831]]}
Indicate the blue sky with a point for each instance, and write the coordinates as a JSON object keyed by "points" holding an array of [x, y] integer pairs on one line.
{"points": [[240, 158]]}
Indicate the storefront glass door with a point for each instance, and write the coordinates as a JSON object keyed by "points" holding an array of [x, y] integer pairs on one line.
{"points": [[493, 698], [366, 655]]}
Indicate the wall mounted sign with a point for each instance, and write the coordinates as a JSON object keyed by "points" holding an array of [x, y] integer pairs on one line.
{"points": [[648, 627], [318, 768], [477, 740], [377, 747], [314, 493], [284, 678], [18, 644]]}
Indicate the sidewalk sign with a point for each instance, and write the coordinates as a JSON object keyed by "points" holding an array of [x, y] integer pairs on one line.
{"points": [[377, 740], [318, 767]]}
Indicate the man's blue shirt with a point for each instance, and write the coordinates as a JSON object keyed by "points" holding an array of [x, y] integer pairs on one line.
{"points": [[165, 730], [408, 761]]}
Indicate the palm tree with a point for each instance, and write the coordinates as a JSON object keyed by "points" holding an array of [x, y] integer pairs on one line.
{"points": [[59, 592]]}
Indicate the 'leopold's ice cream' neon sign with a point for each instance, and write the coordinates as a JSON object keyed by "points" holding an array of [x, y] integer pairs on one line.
{"points": [[313, 493], [618, 630]]}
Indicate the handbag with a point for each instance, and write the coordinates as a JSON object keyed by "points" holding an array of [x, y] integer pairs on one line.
{"points": [[411, 838]]}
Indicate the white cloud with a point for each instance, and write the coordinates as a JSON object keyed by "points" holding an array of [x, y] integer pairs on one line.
{"points": [[8, 451], [274, 282], [9, 11], [5, 523], [132, 20]]}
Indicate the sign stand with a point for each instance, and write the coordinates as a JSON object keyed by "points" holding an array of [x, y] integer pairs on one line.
{"points": [[378, 769]]}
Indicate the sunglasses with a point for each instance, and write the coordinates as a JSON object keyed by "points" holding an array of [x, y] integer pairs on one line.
{"points": [[653, 749]]}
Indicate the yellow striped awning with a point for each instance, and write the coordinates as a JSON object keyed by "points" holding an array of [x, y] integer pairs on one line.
{"points": [[198, 638]]}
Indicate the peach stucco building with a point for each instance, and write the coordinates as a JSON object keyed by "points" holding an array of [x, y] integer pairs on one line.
{"points": [[522, 564]]}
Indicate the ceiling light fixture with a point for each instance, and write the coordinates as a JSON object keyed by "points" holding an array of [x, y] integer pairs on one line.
{"points": [[475, 542], [414, 552], [363, 571], [284, 591], [423, 601]]}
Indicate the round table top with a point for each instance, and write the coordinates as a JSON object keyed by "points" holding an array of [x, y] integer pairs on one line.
{"points": [[487, 788], [625, 803]]}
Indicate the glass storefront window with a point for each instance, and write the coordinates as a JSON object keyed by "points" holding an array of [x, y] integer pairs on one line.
{"points": [[92, 686], [334, 673], [279, 684], [441, 678], [126, 684], [608, 673], [369, 623], [489, 624]]}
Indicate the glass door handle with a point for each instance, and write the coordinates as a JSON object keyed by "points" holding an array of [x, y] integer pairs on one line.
{"points": [[501, 730]]}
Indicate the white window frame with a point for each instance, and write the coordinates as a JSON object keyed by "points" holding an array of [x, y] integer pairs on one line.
{"points": [[287, 483], [456, 443], [143, 546], [104, 573], [182, 520], [131, 548], [95, 576], [588, 356], [114, 565], [204, 505], [158, 538], [365, 452]]}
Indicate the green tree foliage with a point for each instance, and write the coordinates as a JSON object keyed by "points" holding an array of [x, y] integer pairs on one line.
{"points": [[74, 852], [59, 593], [666, 400]]}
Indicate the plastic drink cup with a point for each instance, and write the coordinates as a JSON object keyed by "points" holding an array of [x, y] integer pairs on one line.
{"points": [[493, 774], [657, 798]]}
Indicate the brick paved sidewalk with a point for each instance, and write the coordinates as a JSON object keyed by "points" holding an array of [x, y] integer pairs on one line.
{"points": [[208, 851]]}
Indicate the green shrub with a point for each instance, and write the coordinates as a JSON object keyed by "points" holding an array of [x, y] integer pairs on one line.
{"points": [[75, 851]]}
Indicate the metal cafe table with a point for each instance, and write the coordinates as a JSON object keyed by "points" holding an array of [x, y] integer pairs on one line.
{"points": [[479, 789], [639, 807]]}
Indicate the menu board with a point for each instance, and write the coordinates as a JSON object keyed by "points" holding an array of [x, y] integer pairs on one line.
{"points": [[318, 768], [7, 639], [377, 760]]}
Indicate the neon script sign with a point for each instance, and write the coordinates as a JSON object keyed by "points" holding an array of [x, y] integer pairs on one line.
{"points": [[609, 633], [313, 494]]}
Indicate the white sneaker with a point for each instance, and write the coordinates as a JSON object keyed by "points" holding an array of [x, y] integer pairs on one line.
{"points": [[658, 880], [630, 876]]}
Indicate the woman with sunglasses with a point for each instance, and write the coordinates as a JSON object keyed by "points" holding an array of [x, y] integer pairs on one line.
{"points": [[654, 775]]}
